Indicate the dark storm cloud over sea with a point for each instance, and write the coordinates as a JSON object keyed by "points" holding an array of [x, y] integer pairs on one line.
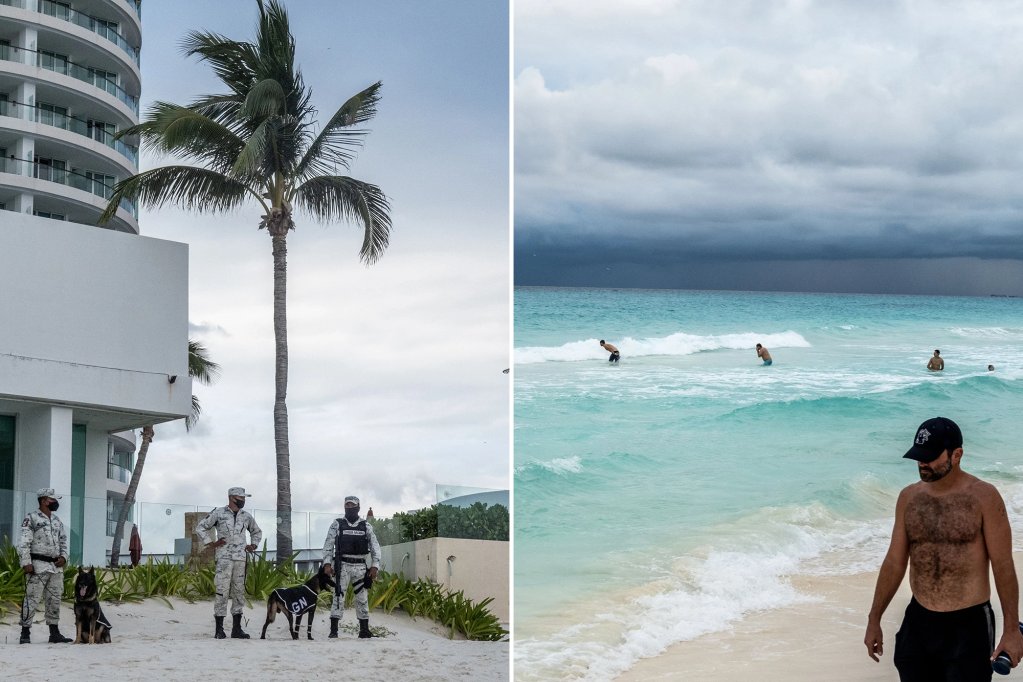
{"points": [[818, 146]]}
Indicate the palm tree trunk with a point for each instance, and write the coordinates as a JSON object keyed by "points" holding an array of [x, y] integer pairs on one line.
{"points": [[280, 254], [129, 495]]}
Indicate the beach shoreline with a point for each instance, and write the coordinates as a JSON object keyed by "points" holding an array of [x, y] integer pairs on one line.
{"points": [[151, 640], [808, 641]]}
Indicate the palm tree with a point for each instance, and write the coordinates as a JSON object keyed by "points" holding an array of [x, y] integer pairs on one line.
{"points": [[203, 370], [258, 141]]}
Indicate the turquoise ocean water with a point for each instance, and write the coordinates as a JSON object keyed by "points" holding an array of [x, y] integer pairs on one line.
{"points": [[677, 493]]}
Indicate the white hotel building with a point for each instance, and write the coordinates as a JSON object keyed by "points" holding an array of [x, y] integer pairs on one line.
{"points": [[93, 319]]}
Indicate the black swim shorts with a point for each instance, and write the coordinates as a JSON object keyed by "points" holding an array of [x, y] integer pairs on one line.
{"points": [[945, 646], [614, 356]]}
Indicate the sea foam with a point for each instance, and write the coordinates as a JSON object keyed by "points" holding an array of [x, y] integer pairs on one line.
{"points": [[678, 344]]}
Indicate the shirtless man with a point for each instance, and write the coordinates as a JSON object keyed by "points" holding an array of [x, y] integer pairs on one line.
{"points": [[764, 355], [936, 364], [948, 528], [615, 355]]}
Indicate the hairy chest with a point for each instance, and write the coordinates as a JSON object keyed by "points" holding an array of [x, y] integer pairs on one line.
{"points": [[949, 520]]}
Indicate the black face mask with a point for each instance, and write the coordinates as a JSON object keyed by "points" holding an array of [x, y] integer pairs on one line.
{"points": [[53, 505], [352, 513], [239, 503]]}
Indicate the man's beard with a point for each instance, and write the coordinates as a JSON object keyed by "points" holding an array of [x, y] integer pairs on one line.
{"points": [[929, 475]]}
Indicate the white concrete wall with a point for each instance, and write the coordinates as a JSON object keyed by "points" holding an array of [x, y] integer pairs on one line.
{"points": [[100, 317], [94, 536], [43, 454], [481, 568]]}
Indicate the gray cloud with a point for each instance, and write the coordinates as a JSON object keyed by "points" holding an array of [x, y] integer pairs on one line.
{"points": [[394, 376], [767, 131]]}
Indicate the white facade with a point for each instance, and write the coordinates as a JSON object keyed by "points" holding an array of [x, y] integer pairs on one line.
{"points": [[69, 80], [93, 319]]}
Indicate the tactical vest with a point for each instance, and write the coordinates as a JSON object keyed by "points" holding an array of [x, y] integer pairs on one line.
{"points": [[352, 540]]}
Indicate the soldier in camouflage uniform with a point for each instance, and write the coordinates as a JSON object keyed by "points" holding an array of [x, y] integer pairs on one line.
{"points": [[231, 523], [43, 553], [348, 542]]}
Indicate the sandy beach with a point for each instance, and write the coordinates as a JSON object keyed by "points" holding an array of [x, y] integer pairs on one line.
{"points": [[153, 641], [815, 641]]}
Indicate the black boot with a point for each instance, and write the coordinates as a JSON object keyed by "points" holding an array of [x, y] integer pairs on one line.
{"points": [[364, 632], [25, 639], [236, 628], [333, 628], [56, 637], [219, 634]]}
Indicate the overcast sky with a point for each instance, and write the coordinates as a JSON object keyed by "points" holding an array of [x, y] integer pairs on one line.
{"points": [[800, 145], [396, 380]]}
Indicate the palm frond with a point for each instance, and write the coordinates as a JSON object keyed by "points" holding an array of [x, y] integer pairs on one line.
{"points": [[203, 370], [173, 129], [333, 197], [232, 61], [335, 144], [200, 366], [189, 187], [264, 99]]}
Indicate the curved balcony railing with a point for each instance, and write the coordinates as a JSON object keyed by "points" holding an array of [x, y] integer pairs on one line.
{"points": [[86, 21], [20, 55], [116, 472], [136, 5], [62, 176], [70, 123]]}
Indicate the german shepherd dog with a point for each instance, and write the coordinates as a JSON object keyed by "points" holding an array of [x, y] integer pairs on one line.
{"points": [[91, 626], [295, 602]]}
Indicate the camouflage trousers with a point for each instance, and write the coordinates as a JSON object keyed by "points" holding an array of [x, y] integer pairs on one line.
{"points": [[230, 580], [37, 586], [350, 573]]}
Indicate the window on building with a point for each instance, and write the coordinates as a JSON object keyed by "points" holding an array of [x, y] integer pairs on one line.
{"points": [[106, 80], [108, 29], [61, 10], [52, 115], [101, 131], [54, 170], [99, 184], [50, 215], [119, 465], [114, 503], [53, 61]]}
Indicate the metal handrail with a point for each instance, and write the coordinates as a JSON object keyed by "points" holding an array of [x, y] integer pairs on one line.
{"points": [[69, 123], [11, 53], [68, 178], [86, 21]]}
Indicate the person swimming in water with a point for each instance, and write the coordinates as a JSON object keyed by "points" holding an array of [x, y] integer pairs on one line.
{"points": [[764, 355]]}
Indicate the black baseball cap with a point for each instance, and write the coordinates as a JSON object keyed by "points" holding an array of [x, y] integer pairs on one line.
{"points": [[934, 437]]}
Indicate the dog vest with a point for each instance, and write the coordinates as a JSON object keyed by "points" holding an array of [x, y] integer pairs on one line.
{"points": [[298, 600]]}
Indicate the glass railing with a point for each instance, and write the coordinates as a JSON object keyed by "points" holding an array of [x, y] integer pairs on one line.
{"points": [[97, 26], [19, 55], [116, 472], [69, 123], [162, 526], [62, 11], [62, 176], [136, 5]]}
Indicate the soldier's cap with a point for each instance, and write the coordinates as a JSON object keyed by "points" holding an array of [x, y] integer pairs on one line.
{"points": [[47, 492], [237, 492], [353, 499], [934, 437]]}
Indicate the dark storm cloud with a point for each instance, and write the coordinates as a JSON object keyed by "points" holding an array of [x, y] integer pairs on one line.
{"points": [[765, 131]]}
